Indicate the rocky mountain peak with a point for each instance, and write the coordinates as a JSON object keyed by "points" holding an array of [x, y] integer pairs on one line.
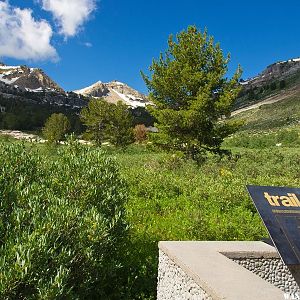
{"points": [[115, 91], [97, 90], [28, 79], [279, 70], [282, 68]]}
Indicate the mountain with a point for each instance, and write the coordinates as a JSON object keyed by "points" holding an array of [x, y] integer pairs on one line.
{"points": [[32, 85], [271, 100], [280, 70], [113, 92], [274, 80], [28, 79], [28, 96]]}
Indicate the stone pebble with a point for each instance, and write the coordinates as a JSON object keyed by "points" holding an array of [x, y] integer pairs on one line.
{"points": [[273, 270], [174, 284]]}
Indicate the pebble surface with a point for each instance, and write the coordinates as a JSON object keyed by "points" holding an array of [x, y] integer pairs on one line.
{"points": [[174, 284], [272, 270]]}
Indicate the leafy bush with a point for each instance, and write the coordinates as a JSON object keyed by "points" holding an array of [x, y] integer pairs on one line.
{"points": [[62, 226]]}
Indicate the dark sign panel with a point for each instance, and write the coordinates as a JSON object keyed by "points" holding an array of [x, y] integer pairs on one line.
{"points": [[279, 208]]}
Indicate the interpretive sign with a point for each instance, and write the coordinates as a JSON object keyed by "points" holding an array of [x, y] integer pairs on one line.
{"points": [[279, 208]]}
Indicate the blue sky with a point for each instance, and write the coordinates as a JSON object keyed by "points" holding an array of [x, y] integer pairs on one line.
{"points": [[115, 39]]}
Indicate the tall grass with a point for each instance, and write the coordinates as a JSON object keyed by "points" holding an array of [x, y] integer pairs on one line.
{"points": [[170, 198]]}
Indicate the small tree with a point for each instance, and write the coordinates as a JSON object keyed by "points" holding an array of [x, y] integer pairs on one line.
{"points": [[56, 127], [273, 86], [191, 94], [108, 122], [140, 133], [282, 84]]}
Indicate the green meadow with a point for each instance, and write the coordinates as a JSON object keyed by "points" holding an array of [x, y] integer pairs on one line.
{"points": [[171, 198]]}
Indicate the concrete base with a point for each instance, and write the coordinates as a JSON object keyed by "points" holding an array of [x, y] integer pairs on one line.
{"points": [[222, 270]]}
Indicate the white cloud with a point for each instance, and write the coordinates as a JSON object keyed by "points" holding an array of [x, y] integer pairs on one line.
{"points": [[22, 37], [88, 44], [70, 14]]}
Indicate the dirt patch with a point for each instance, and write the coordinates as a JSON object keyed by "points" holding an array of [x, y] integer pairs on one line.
{"points": [[19, 135]]}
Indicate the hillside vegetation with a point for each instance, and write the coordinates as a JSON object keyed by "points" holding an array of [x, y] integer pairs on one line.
{"points": [[171, 198], [268, 85], [276, 115], [269, 125]]}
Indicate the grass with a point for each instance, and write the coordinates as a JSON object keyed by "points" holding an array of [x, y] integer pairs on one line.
{"points": [[175, 199], [277, 115], [171, 198]]}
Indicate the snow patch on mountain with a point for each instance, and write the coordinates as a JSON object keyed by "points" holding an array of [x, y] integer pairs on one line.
{"points": [[290, 60], [113, 92], [87, 89], [130, 100]]}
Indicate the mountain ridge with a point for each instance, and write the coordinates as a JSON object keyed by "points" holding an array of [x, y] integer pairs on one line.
{"points": [[33, 83], [281, 69], [28, 79], [275, 79], [113, 92]]}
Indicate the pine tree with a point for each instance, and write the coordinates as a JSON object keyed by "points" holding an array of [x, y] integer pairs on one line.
{"points": [[191, 94]]}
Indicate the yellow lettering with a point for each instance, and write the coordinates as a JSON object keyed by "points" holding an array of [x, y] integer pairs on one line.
{"points": [[286, 201], [275, 200], [296, 200], [269, 198], [291, 200]]}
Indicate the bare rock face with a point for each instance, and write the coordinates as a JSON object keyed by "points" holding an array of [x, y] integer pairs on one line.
{"points": [[115, 91], [277, 71], [97, 90], [29, 79], [282, 68], [32, 85]]}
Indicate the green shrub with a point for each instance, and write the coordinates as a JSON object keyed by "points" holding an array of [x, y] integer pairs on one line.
{"points": [[62, 226], [56, 127], [108, 122], [289, 137]]}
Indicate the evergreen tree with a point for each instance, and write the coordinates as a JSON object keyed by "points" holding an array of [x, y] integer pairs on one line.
{"points": [[56, 127], [273, 86], [282, 84], [108, 122], [191, 94]]}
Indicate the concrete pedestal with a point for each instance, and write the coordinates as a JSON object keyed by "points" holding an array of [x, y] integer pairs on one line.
{"points": [[223, 270]]}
